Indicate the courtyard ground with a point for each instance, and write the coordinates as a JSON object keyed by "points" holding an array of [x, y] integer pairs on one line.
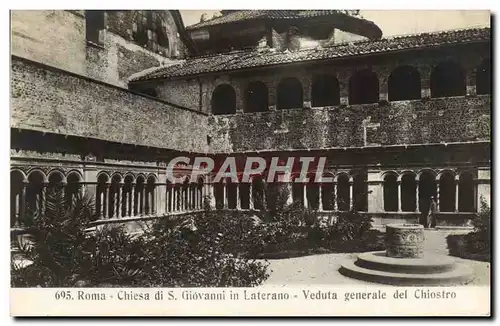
{"points": [[323, 269]]}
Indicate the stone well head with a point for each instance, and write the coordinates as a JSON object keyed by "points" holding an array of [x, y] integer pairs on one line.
{"points": [[404, 240]]}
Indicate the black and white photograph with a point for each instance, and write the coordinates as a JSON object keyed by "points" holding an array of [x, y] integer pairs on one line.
{"points": [[241, 159]]}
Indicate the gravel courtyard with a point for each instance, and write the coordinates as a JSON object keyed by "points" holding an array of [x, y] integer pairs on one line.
{"points": [[323, 268]]}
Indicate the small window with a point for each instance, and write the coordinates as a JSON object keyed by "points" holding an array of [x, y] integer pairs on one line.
{"points": [[94, 23]]}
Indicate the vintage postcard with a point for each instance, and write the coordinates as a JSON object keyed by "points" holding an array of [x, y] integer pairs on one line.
{"points": [[250, 162]]}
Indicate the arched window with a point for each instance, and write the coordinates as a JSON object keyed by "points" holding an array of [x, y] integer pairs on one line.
{"points": [[223, 100], [466, 196], [404, 84], [289, 94], [483, 78], [94, 23], [447, 79], [446, 192], [343, 193], [408, 193], [391, 193], [363, 87], [256, 97], [426, 190], [325, 91]]}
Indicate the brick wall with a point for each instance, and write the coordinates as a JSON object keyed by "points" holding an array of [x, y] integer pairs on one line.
{"points": [[406, 122], [57, 38], [50, 100]]}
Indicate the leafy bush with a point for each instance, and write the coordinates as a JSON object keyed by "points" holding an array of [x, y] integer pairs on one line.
{"points": [[176, 253], [477, 244]]}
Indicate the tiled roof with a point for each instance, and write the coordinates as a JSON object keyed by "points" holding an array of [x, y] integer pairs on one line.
{"points": [[243, 15], [255, 58]]}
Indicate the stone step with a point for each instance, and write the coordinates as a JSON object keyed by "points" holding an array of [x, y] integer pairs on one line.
{"points": [[461, 274], [429, 264]]}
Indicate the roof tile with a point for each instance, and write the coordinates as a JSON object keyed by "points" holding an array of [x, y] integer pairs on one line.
{"points": [[256, 58]]}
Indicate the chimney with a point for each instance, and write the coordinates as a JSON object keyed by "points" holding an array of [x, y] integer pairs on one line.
{"points": [[293, 42]]}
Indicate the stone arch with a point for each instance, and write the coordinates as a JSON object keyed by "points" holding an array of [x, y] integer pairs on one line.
{"points": [[39, 172], [483, 77], [104, 173], [447, 79], [289, 94], [21, 172], [76, 174], [404, 84], [363, 87], [256, 97], [223, 100], [325, 91]]}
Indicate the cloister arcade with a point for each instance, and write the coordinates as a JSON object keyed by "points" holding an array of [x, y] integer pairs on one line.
{"points": [[447, 79], [126, 195]]}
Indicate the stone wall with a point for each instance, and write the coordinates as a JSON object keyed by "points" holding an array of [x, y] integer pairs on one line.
{"points": [[447, 120], [184, 92], [51, 100], [57, 38]]}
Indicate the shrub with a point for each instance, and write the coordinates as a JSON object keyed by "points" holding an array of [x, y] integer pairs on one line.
{"points": [[176, 253]]}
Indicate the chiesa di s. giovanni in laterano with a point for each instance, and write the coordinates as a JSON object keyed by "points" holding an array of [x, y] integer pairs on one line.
{"points": [[101, 101]]}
